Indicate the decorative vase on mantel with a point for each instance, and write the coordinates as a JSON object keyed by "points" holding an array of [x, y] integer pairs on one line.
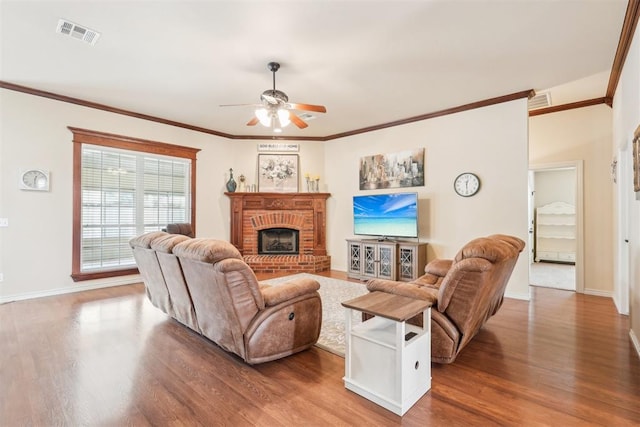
{"points": [[231, 184]]}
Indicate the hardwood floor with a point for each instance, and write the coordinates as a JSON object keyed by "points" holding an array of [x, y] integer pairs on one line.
{"points": [[109, 358]]}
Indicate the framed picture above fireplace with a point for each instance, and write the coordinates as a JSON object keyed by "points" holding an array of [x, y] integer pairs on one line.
{"points": [[278, 173]]}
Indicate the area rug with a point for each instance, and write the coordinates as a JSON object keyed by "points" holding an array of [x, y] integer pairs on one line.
{"points": [[553, 275], [332, 293]]}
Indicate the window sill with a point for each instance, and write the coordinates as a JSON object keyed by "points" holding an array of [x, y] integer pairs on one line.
{"points": [[79, 277]]}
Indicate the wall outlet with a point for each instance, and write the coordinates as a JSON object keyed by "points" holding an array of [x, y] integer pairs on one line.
{"points": [[4, 222], [1, 277]]}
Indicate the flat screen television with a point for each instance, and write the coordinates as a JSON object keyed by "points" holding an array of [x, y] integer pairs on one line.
{"points": [[386, 215]]}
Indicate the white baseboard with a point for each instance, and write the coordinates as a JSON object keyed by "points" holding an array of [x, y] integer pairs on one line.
{"points": [[621, 310], [598, 293], [126, 280], [635, 342], [520, 296]]}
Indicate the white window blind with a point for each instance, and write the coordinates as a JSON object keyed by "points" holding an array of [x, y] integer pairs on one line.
{"points": [[125, 194]]}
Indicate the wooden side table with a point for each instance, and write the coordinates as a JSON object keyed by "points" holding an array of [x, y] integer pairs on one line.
{"points": [[387, 360]]}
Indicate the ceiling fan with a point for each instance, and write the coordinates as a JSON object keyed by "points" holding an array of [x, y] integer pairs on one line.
{"points": [[276, 111]]}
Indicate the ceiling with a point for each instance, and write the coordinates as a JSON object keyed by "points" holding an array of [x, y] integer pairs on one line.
{"points": [[368, 62]]}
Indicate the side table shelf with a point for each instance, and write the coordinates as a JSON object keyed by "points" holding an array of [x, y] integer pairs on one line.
{"points": [[387, 360]]}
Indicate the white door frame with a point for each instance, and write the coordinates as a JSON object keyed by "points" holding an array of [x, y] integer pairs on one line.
{"points": [[531, 204], [578, 165], [624, 178]]}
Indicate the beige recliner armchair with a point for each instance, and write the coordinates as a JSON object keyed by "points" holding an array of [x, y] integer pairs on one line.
{"points": [[206, 285], [465, 291]]}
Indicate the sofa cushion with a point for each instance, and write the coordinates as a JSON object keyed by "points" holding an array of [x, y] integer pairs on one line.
{"points": [[206, 250], [165, 244], [487, 248], [144, 241], [517, 243]]}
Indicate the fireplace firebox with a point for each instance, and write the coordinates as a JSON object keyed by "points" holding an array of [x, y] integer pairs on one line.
{"points": [[278, 241]]}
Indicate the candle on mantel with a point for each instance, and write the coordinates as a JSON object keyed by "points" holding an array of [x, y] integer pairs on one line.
{"points": [[306, 177]]}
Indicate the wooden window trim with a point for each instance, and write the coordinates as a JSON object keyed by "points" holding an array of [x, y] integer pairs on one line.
{"points": [[84, 136]]}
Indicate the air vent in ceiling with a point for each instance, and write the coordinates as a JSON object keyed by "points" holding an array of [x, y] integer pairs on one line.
{"points": [[541, 100], [307, 116], [77, 31]]}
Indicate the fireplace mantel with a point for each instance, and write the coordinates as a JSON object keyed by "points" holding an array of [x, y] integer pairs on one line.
{"points": [[305, 212]]}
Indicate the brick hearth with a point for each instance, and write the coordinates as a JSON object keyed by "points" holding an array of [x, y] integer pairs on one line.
{"points": [[305, 212]]}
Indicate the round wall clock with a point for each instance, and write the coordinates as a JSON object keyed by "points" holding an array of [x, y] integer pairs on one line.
{"points": [[34, 179], [466, 184]]}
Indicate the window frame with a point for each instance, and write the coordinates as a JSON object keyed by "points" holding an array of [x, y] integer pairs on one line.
{"points": [[84, 136]]}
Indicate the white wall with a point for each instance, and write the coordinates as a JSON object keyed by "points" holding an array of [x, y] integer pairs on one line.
{"points": [[490, 141], [584, 134], [35, 250], [626, 118], [36, 247], [555, 186]]}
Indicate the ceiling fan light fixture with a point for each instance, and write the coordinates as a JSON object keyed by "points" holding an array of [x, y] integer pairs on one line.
{"points": [[283, 117], [263, 115], [275, 111]]}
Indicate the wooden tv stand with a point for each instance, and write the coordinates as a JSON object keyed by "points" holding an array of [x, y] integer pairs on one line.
{"points": [[385, 259]]}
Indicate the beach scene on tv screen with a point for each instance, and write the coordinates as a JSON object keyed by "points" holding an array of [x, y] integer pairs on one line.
{"points": [[386, 215]]}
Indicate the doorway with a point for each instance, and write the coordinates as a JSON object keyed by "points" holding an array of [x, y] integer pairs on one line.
{"points": [[555, 226]]}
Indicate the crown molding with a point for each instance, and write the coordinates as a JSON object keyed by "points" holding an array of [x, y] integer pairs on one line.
{"points": [[479, 104], [626, 37], [569, 106], [103, 107], [63, 98]]}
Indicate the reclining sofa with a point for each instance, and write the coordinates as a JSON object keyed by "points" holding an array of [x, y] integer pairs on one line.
{"points": [[206, 285], [465, 292]]}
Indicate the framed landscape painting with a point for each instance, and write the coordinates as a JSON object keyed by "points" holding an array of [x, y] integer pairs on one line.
{"points": [[394, 170], [278, 173]]}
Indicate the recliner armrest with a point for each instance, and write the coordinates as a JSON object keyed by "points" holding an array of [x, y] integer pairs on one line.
{"points": [[410, 290], [460, 278], [274, 295], [438, 267]]}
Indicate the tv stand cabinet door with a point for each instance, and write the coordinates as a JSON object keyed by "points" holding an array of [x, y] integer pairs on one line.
{"points": [[379, 260], [354, 250], [412, 259]]}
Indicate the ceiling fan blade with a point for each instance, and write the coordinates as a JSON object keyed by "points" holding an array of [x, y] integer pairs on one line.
{"points": [[254, 121], [297, 121], [308, 107]]}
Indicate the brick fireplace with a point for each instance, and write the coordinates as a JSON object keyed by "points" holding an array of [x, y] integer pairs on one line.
{"points": [[252, 213]]}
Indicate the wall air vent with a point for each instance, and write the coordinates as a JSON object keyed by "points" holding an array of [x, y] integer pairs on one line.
{"points": [[77, 31], [541, 100], [306, 116]]}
